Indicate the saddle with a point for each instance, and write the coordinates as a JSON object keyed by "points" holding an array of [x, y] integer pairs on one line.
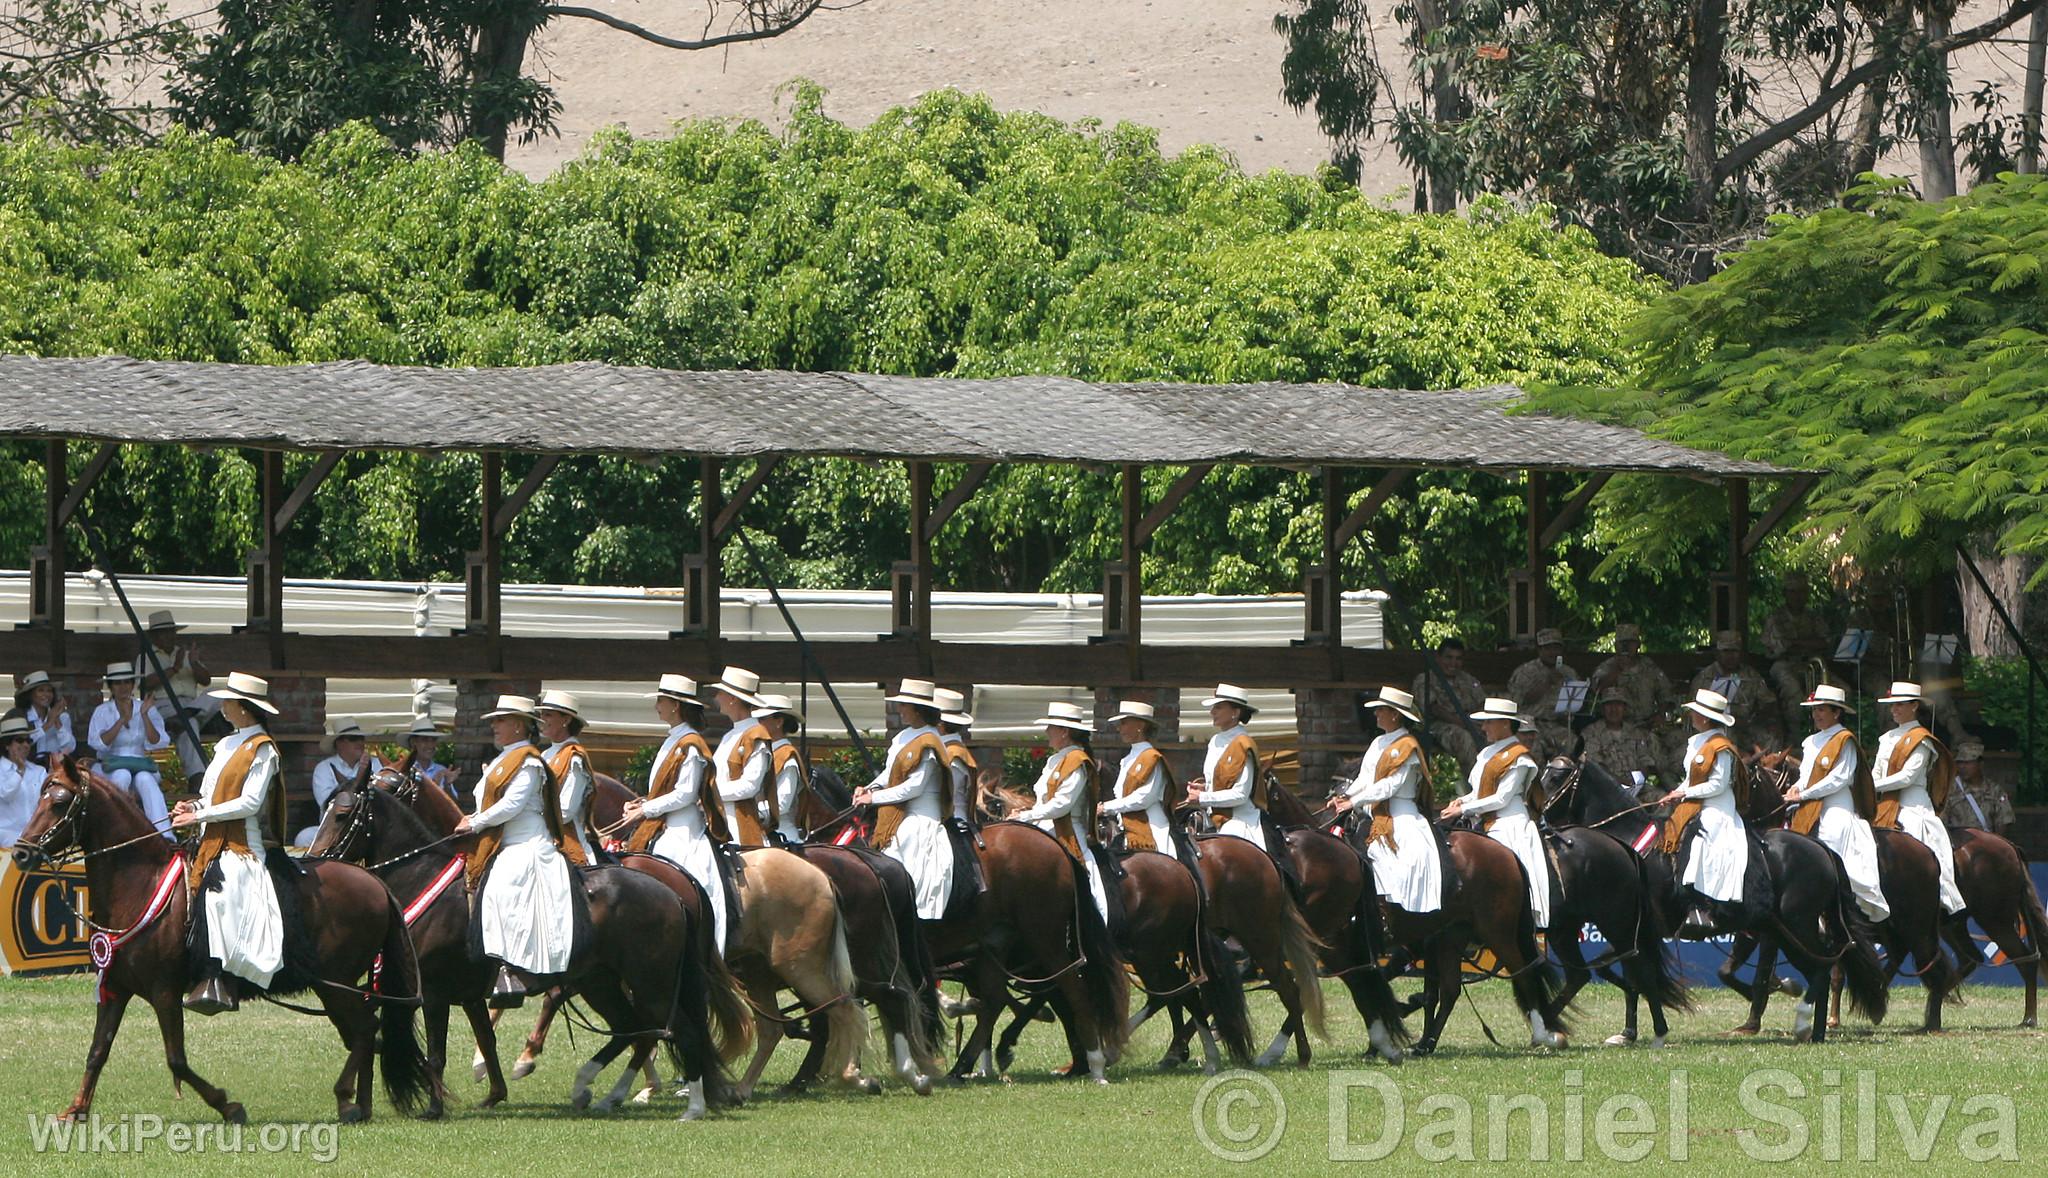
{"points": [[301, 968], [732, 874], [1112, 892], [966, 844]]}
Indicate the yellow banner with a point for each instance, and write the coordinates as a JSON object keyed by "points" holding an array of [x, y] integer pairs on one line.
{"points": [[38, 933]]}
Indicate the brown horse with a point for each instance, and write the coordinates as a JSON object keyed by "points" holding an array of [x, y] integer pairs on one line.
{"points": [[2000, 895], [791, 934], [1490, 909], [352, 921], [1034, 928], [648, 972]]}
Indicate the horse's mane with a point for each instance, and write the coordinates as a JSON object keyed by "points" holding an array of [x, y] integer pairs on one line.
{"points": [[1612, 792], [1287, 806], [830, 787], [408, 830], [434, 808], [128, 812]]}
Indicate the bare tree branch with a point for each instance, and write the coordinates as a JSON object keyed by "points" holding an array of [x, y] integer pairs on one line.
{"points": [[767, 19]]}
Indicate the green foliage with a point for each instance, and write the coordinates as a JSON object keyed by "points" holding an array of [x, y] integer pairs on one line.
{"points": [[2001, 689], [1899, 347], [78, 69], [945, 239]]}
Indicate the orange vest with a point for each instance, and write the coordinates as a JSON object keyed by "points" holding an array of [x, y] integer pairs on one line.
{"points": [[559, 764], [1489, 781], [490, 840], [232, 833], [746, 816], [1072, 827], [890, 815], [1939, 775], [1240, 751], [664, 781], [1404, 747], [1807, 816], [1137, 829], [1699, 770]]}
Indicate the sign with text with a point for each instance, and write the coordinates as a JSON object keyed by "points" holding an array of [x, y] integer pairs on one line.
{"points": [[39, 929]]}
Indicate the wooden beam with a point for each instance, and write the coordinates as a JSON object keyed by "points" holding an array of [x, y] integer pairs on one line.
{"points": [[308, 483], [970, 482], [1162, 510], [921, 550], [1573, 508], [1738, 554], [1792, 496], [1538, 490], [1133, 546], [729, 514], [46, 594], [710, 581], [1360, 516], [513, 504], [94, 468]]}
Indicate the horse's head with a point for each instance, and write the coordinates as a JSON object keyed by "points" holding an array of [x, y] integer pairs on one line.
{"points": [[1560, 781], [344, 826], [1590, 794], [59, 819]]}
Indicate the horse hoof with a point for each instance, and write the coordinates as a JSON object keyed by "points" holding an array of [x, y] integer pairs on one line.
{"points": [[353, 1115], [1791, 988], [869, 1085], [2027, 1023], [479, 1072], [691, 1114], [1833, 1022], [1745, 1029], [433, 1113], [491, 1101], [1619, 1039], [235, 1114], [1168, 1063], [580, 1101], [922, 1085], [1422, 1049], [644, 1097], [1657, 1044], [1559, 1040], [606, 1107], [522, 1069]]}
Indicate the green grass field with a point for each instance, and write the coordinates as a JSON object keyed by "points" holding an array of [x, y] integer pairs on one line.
{"points": [[282, 1065]]}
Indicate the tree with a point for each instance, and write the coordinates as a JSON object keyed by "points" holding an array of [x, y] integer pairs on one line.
{"points": [[1901, 349], [72, 69], [274, 74], [1670, 128]]}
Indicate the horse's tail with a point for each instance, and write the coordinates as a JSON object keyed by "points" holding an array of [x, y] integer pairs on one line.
{"points": [[2031, 915], [705, 998], [1368, 982], [1298, 945], [407, 1080], [1862, 973], [1657, 976], [1109, 993], [1222, 992], [732, 1027], [919, 971]]}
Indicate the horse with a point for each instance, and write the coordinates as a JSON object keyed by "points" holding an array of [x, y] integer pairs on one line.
{"points": [[647, 971], [1490, 908], [1999, 894], [1811, 900], [792, 933], [1034, 927], [350, 919]]}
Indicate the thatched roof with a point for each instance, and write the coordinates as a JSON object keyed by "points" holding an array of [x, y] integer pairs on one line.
{"points": [[592, 408]]}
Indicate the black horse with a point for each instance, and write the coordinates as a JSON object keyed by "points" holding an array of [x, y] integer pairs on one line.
{"points": [[1813, 919]]}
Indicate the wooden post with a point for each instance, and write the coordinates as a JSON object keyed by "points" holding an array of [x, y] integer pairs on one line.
{"points": [[1538, 485], [1322, 589], [483, 609], [46, 563], [266, 561], [1738, 557], [1132, 603], [702, 573], [920, 551]]}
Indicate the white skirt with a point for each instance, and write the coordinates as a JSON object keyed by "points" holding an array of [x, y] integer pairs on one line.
{"points": [[926, 853], [1924, 824], [1518, 833], [691, 850], [1848, 835], [528, 921], [243, 927], [1720, 856], [1409, 874], [1245, 824]]}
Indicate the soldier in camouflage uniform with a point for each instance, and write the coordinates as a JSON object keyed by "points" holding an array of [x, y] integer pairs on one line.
{"points": [[1793, 636], [1641, 682], [1534, 687], [1975, 802], [1616, 742], [1446, 715], [1750, 698]]}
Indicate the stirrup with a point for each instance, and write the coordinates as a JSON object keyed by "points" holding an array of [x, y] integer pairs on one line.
{"points": [[507, 990], [212, 996], [1698, 926]]}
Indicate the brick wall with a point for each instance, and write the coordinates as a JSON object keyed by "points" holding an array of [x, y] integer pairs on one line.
{"points": [[301, 718], [1327, 719]]}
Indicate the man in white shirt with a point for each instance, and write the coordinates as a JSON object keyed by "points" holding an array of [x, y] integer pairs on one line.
{"points": [[348, 743]]}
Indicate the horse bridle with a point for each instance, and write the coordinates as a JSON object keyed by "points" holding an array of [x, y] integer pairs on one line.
{"points": [[74, 812]]}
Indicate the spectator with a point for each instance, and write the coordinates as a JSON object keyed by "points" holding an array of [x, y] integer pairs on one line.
{"points": [[1749, 695], [21, 779], [185, 675], [1616, 742], [1974, 801], [1446, 711], [1642, 683], [49, 716], [1793, 636], [1534, 688], [348, 743]]}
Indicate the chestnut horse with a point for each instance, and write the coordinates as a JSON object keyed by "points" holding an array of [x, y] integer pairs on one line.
{"points": [[350, 918], [648, 971], [1999, 891]]}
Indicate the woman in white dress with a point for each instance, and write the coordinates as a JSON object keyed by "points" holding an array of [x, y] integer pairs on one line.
{"points": [[789, 773], [561, 722], [21, 779], [238, 898], [909, 796], [1392, 779], [1912, 773], [1714, 791], [1065, 792], [1835, 802], [125, 730], [49, 717], [526, 912], [1138, 800], [686, 823], [1500, 782]]}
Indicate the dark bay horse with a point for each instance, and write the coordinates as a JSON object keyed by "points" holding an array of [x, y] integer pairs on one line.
{"points": [[351, 918], [1814, 919], [1490, 909], [1035, 929], [2001, 897], [644, 972]]}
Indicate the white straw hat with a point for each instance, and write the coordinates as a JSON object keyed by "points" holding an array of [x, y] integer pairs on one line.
{"points": [[553, 700], [952, 707], [14, 726], [922, 692], [1132, 709], [120, 672], [1902, 693], [247, 688], [422, 726], [512, 705], [678, 687], [163, 620], [1397, 699], [1827, 695], [1711, 704], [1227, 693], [741, 684], [777, 705], [1061, 714], [1496, 708], [338, 728]]}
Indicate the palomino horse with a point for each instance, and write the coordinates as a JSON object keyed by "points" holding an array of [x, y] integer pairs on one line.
{"points": [[349, 916], [1999, 891], [1034, 928], [791, 934], [1490, 909], [648, 971], [1910, 878], [1813, 916]]}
